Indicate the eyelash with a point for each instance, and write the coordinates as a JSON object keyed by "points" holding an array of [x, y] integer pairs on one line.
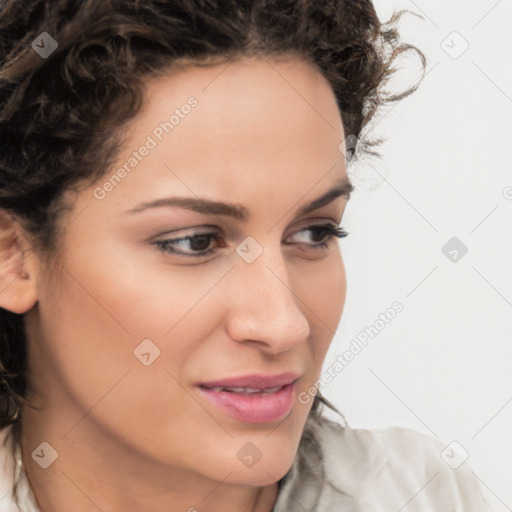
{"points": [[332, 230]]}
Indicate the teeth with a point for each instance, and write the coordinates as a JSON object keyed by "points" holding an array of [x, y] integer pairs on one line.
{"points": [[247, 390]]}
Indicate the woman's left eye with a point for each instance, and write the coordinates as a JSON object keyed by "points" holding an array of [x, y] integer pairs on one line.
{"points": [[197, 245], [326, 233]]}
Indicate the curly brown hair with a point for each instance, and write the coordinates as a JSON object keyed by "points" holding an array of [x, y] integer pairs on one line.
{"points": [[61, 116]]}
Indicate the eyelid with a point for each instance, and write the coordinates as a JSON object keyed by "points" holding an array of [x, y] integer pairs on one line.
{"points": [[317, 221], [201, 229], [206, 229]]}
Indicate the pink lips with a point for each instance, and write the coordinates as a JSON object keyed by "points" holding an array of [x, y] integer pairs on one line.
{"points": [[253, 407]]}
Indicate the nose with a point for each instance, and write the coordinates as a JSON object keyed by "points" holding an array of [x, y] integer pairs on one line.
{"points": [[264, 308]]}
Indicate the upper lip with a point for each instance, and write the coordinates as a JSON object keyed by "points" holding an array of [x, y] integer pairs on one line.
{"points": [[256, 381]]}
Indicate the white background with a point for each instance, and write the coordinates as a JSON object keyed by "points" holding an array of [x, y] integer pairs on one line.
{"points": [[443, 365]]}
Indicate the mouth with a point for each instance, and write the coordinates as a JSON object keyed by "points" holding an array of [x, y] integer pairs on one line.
{"points": [[267, 399], [245, 391]]}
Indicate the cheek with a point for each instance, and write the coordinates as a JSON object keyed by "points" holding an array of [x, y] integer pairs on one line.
{"points": [[141, 294], [106, 313], [335, 295], [321, 292], [85, 361], [324, 292]]}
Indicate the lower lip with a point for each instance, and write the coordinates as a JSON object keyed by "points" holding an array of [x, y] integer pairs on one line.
{"points": [[253, 408]]}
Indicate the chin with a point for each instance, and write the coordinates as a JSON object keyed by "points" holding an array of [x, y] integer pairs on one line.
{"points": [[275, 460], [260, 475]]}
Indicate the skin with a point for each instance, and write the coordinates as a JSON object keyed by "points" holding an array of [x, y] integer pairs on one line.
{"points": [[264, 135]]}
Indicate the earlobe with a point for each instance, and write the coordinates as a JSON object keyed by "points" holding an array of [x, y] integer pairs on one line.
{"points": [[18, 291]]}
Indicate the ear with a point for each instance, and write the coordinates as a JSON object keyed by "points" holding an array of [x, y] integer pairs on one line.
{"points": [[18, 291]]}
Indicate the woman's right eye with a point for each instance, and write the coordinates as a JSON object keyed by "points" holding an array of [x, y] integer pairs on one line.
{"points": [[198, 242]]}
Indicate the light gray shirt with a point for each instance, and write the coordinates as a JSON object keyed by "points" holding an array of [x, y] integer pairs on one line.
{"points": [[336, 469]]}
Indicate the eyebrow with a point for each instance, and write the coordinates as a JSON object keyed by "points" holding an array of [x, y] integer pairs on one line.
{"points": [[343, 188]]}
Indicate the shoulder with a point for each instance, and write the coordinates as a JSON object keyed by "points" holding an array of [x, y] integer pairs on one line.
{"points": [[7, 471], [396, 468]]}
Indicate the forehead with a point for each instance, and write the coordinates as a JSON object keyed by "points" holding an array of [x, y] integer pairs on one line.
{"points": [[252, 98], [233, 129]]}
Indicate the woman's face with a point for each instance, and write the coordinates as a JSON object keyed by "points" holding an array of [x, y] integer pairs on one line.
{"points": [[122, 338]]}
